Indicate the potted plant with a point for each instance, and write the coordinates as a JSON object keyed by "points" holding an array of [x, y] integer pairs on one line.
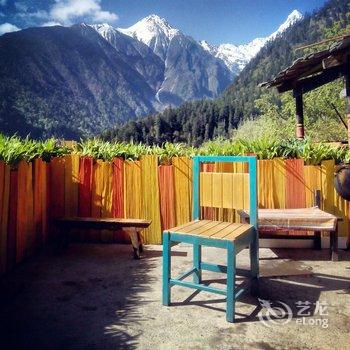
{"points": [[342, 177]]}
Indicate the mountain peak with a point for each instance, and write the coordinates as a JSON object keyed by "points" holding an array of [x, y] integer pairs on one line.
{"points": [[156, 19], [236, 57], [292, 18], [153, 31]]}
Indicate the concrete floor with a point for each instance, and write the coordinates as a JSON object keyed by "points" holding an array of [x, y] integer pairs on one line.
{"points": [[97, 297]]}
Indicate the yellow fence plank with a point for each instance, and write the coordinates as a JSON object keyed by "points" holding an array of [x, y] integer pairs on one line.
{"points": [[132, 189], [150, 199], [183, 189], [327, 187], [265, 183], [279, 184], [312, 180]]}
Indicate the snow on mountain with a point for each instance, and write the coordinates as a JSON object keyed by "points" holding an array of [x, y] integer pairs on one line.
{"points": [[153, 31], [236, 57], [293, 17]]}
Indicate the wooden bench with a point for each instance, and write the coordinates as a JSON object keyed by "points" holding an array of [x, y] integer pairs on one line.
{"points": [[131, 226], [303, 219]]}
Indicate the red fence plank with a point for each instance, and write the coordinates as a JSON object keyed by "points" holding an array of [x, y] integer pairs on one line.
{"points": [[85, 186], [167, 196]]}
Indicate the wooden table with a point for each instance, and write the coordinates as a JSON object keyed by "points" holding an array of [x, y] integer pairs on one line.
{"points": [[131, 226], [303, 219]]}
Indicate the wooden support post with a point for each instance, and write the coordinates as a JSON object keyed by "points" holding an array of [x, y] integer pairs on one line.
{"points": [[298, 95]]}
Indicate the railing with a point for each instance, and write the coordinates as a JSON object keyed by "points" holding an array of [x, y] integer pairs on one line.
{"points": [[34, 193]]}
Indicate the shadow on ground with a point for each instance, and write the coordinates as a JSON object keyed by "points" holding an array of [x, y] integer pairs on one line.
{"points": [[87, 298]]}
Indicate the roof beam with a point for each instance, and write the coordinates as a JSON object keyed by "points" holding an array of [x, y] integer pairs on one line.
{"points": [[308, 84]]}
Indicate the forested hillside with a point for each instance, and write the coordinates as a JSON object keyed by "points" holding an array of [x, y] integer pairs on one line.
{"points": [[196, 122]]}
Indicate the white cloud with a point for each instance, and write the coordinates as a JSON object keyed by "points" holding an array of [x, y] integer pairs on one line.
{"points": [[51, 24], [40, 14], [7, 28], [66, 11]]}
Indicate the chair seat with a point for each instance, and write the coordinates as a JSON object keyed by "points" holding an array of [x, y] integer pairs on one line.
{"points": [[212, 229]]}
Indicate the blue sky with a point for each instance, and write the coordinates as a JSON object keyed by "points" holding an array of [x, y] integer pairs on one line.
{"points": [[217, 21]]}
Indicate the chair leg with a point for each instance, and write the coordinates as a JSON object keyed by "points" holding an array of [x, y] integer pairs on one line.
{"points": [[231, 275], [197, 257], [166, 269], [254, 266]]}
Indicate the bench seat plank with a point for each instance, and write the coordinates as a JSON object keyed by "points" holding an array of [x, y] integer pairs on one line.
{"points": [[101, 223]]}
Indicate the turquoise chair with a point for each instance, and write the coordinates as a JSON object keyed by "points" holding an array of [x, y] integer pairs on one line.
{"points": [[232, 237]]}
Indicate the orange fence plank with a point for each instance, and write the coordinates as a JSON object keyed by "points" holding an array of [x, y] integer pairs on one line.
{"points": [[71, 185], [167, 196], [12, 223], [107, 198], [295, 189], [40, 201], [56, 192], [25, 212], [183, 189], [57, 187]]}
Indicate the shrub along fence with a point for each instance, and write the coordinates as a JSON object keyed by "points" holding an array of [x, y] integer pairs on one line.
{"points": [[32, 193]]}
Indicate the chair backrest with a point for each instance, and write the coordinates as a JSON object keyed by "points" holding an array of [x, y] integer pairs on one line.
{"points": [[225, 190]]}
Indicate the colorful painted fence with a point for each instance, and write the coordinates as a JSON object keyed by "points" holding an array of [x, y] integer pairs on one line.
{"points": [[34, 193]]}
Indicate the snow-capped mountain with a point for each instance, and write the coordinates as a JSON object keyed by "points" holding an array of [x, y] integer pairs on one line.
{"points": [[153, 31], [236, 57], [135, 53], [190, 72]]}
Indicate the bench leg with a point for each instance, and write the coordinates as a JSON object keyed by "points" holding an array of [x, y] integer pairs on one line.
{"points": [[135, 242], [333, 245], [166, 297], [62, 240], [197, 257], [317, 240], [231, 275]]}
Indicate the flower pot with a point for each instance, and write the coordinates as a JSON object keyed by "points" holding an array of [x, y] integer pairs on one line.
{"points": [[342, 181]]}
